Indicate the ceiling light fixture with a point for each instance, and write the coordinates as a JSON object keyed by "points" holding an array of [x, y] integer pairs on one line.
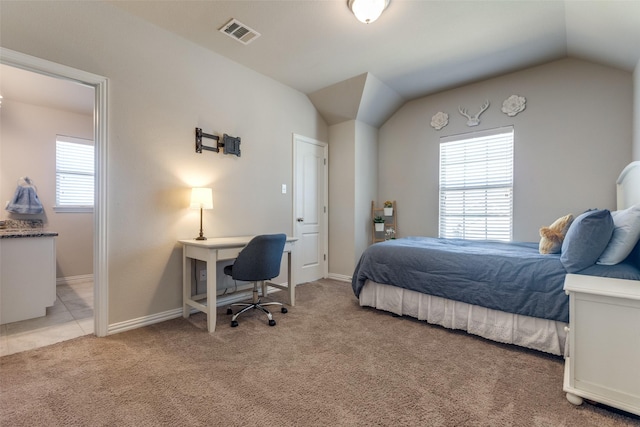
{"points": [[367, 11]]}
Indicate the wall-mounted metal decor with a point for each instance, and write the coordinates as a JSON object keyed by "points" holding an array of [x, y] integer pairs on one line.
{"points": [[231, 144], [513, 105], [439, 120], [474, 120]]}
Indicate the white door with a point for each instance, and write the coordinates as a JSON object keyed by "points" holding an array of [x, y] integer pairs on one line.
{"points": [[310, 208]]}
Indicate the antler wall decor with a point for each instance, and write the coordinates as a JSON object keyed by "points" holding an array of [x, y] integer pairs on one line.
{"points": [[475, 120]]}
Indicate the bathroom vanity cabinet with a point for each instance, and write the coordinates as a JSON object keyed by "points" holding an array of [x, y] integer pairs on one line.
{"points": [[27, 274]]}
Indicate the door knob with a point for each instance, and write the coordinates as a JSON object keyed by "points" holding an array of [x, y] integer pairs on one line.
{"points": [[300, 219]]}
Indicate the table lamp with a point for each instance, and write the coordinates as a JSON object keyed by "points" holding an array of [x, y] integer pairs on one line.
{"points": [[201, 198]]}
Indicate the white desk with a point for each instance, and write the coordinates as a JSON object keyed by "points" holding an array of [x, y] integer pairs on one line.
{"points": [[211, 251]]}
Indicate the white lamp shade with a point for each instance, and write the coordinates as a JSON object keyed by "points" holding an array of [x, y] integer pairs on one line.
{"points": [[368, 11], [201, 198]]}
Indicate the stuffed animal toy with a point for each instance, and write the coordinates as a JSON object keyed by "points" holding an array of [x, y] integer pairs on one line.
{"points": [[553, 235]]}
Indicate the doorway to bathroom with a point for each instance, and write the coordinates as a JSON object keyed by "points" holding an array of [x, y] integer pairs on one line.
{"points": [[52, 100]]}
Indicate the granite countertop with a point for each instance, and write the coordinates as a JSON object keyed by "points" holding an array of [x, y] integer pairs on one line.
{"points": [[11, 228], [11, 234]]}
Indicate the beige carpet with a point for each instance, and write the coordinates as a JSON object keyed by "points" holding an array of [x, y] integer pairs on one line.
{"points": [[327, 362]]}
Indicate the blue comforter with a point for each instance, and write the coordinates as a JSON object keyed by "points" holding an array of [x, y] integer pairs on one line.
{"points": [[511, 277]]}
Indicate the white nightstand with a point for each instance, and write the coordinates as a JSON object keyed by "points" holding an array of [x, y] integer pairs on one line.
{"points": [[604, 341]]}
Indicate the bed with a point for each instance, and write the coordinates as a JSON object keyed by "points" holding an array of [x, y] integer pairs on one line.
{"points": [[503, 291]]}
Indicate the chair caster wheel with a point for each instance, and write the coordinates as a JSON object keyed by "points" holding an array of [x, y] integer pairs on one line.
{"points": [[234, 323], [229, 311], [272, 322], [284, 310]]}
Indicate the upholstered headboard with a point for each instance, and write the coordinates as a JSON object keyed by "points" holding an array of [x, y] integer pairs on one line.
{"points": [[628, 186]]}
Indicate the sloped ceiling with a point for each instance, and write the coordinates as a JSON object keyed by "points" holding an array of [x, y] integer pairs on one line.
{"points": [[416, 48], [363, 98]]}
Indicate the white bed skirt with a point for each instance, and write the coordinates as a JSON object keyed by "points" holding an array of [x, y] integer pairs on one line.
{"points": [[531, 332]]}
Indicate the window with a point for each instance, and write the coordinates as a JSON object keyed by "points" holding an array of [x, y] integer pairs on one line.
{"points": [[74, 174], [476, 185]]}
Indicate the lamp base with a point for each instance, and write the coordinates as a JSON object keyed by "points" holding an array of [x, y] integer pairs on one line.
{"points": [[201, 235]]}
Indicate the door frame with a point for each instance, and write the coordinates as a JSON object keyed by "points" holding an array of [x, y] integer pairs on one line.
{"points": [[296, 139], [100, 246]]}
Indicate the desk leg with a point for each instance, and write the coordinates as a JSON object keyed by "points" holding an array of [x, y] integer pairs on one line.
{"points": [[292, 286], [186, 283], [212, 270]]}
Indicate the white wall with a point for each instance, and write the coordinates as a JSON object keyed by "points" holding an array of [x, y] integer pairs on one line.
{"points": [[571, 143], [28, 148], [353, 177], [636, 112], [366, 187], [342, 196], [160, 88]]}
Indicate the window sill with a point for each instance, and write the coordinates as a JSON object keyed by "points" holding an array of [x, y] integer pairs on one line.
{"points": [[73, 209]]}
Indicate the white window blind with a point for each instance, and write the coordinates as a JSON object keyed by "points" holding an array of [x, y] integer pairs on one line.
{"points": [[476, 185], [74, 174]]}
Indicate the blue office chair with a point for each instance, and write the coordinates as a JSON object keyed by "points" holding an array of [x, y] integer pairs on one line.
{"points": [[257, 262]]}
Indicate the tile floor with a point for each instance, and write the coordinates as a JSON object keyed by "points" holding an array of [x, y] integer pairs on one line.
{"points": [[71, 316]]}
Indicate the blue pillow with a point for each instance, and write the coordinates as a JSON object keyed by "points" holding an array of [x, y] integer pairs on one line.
{"points": [[586, 239], [634, 256]]}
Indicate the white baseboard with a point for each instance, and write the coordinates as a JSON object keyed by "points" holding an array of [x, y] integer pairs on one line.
{"points": [[340, 277], [243, 293], [128, 325], [74, 279]]}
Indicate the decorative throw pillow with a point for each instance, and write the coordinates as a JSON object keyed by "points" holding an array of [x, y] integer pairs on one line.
{"points": [[586, 239], [553, 235], [626, 233]]}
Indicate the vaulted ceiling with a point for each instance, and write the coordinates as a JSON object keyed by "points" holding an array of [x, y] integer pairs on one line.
{"points": [[417, 47]]}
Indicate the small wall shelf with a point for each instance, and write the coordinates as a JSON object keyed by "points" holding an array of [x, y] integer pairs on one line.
{"points": [[390, 223]]}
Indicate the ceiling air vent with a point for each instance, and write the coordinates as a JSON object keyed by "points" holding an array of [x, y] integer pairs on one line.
{"points": [[238, 31]]}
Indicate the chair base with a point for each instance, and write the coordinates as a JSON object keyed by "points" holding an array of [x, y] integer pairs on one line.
{"points": [[255, 305]]}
